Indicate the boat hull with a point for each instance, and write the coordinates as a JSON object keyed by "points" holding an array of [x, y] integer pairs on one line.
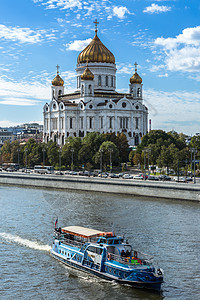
{"points": [[76, 265]]}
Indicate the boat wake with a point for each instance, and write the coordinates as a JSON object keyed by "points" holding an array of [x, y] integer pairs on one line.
{"points": [[24, 242]]}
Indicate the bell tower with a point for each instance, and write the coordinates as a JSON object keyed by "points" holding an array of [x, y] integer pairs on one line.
{"points": [[57, 87], [135, 86]]}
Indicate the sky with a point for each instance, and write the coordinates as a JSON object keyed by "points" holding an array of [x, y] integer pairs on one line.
{"points": [[163, 37]]}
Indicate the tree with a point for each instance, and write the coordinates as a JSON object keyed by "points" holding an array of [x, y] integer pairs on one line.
{"points": [[52, 153], [109, 150], [71, 148], [6, 151]]}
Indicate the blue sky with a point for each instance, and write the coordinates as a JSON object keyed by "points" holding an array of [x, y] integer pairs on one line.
{"points": [[163, 37]]}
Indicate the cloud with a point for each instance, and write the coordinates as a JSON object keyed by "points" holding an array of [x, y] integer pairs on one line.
{"points": [[61, 4], [173, 110], [182, 53], [78, 45], [30, 91], [120, 11], [156, 9], [24, 35]]}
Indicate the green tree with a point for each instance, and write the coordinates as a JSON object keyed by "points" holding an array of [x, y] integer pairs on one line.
{"points": [[52, 153], [109, 150], [71, 148]]}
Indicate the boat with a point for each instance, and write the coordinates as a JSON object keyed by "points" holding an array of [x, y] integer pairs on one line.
{"points": [[105, 255]]}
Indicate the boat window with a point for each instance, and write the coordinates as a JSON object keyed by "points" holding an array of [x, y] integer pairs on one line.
{"points": [[110, 242], [99, 250], [116, 242], [91, 249]]}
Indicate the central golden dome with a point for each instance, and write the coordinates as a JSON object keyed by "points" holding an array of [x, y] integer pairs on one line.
{"points": [[96, 51]]}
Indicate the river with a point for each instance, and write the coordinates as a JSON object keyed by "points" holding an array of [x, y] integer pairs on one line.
{"points": [[167, 229]]}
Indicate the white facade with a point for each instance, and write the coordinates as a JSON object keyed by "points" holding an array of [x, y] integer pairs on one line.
{"points": [[95, 106]]}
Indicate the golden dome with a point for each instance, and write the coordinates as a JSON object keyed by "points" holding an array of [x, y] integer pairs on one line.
{"points": [[57, 81], [136, 78], [96, 51], [87, 75]]}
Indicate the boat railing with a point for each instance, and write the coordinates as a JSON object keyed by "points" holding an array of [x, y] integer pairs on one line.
{"points": [[140, 259], [69, 242]]}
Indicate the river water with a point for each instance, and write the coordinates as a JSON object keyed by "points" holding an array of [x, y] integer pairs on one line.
{"points": [[167, 229]]}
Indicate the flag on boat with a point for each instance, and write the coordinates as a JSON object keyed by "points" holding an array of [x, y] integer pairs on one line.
{"points": [[56, 222]]}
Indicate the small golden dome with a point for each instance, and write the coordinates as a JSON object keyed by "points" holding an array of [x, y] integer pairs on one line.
{"points": [[96, 51], [136, 78], [57, 81], [87, 75]]}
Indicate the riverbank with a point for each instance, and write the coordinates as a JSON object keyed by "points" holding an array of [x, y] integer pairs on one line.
{"points": [[168, 190]]}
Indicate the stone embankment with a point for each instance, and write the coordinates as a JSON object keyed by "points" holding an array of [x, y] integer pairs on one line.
{"points": [[169, 190]]}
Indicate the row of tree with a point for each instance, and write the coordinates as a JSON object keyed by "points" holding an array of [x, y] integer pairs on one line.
{"points": [[166, 149], [159, 148], [90, 151]]}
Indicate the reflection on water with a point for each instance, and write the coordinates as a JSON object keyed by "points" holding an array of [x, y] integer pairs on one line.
{"points": [[169, 230]]}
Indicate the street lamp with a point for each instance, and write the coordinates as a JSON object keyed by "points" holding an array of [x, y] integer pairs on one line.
{"points": [[18, 150], [72, 150], [193, 150], [110, 150], [101, 155], [43, 151], [26, 150], [147, 150], [60, 151]]}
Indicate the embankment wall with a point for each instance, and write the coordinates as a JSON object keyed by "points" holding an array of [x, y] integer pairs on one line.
{"points": [[169, 190]]}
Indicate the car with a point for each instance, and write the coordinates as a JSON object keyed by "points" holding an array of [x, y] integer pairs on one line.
{"points": [[10, 170], [127, 176], [164, 177], [113, 175], [59, 173], [152, 177], [72, 173], [138, 177], [103, 175]]}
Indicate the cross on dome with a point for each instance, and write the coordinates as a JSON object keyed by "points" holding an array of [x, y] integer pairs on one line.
{"points": [[135, 66], [58, 67], [95, 22]]}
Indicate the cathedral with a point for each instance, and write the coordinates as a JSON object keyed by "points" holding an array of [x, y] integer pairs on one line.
{"points": [[95, 105]]}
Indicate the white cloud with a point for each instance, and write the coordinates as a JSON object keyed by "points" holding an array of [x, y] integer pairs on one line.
{"points": [[24, 35], [78, 45], [182, 53], [120, 11], [156, 9], [61, 4], [173, 110]]}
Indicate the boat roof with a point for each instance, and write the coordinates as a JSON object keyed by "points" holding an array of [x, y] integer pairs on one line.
{"points": [[82, 231]]}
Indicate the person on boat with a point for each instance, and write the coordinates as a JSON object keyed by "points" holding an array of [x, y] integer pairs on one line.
{"points": [[127, 253], [123, 254]]}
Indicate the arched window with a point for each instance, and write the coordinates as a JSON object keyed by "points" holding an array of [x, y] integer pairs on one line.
{"points": [[112, 81], [60, 92], [106, 80], [70, 123], [82, 90], [90, 89], [90, 122], [138, 92], [136, 123], [99, 80]]}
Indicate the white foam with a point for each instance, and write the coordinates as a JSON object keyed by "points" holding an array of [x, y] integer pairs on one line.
{"points": [[24, 242]]}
